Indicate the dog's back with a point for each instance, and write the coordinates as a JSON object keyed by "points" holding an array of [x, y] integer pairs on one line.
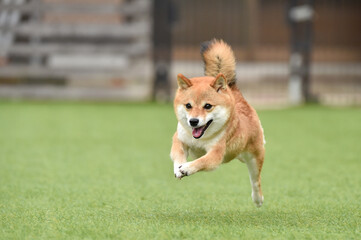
{"points": [[219, 58]]}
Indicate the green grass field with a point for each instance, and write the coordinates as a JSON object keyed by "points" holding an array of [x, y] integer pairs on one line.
{"points": [[102, 171]]}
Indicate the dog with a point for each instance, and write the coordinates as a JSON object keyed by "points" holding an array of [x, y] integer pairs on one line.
{"points": [[215, 123]]}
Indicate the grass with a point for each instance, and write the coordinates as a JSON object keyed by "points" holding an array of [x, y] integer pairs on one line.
{"points": [[102, 171]]}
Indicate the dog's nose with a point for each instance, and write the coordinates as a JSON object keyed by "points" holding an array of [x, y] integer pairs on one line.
{"points": [[193, 122]]}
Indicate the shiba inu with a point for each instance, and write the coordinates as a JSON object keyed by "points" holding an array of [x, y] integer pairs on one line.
{"points": [[215, 122]]}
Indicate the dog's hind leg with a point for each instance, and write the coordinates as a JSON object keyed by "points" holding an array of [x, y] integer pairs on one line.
{"points": [[254, 165]]}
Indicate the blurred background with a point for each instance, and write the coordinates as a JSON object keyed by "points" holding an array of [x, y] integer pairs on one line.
{"points": [[288, 51]]}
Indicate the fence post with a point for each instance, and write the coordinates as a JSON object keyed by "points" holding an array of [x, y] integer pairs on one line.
{"points": [[161, 49], [300, 15]]}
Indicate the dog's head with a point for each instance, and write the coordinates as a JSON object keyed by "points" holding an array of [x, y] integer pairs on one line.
{"points": [[203, 105]]}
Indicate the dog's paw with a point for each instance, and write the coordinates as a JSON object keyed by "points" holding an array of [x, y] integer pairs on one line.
{"points": [[257, 198], [186, 169], [177, 173], [183, 170]]}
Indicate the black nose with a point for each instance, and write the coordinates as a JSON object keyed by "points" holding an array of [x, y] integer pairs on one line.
{"points": [[193, 122]]}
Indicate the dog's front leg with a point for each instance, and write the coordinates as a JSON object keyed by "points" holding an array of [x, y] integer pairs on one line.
{"points": [[178, 154], [210, 161]]}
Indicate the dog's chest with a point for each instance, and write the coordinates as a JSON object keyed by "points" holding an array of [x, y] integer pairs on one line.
{"points": [[196, 152]]}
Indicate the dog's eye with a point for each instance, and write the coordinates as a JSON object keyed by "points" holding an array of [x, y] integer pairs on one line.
{"points": [[207, 106], [188, 106]]}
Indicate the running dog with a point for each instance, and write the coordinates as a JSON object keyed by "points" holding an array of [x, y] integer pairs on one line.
{"points": [[215, 123]]}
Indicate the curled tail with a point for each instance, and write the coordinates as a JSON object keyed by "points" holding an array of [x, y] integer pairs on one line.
{"points": [[218, 58]]}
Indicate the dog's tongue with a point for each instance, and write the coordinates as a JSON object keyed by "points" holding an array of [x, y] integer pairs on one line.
{"points": [[197, 132]]}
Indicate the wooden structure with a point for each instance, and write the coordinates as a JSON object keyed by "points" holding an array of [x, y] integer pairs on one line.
{"points": [[115, 49], [80, 39]]}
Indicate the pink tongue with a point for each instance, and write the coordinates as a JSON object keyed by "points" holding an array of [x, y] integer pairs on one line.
{"points": [[197, 132]]}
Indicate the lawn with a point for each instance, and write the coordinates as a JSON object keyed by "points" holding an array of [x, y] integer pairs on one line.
{"points": [[102, 171]]}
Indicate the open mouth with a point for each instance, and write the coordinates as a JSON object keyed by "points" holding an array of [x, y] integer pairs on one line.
{"points": [[198, 132]]}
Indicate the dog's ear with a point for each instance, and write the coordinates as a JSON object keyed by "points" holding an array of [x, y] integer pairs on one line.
{"points": [[220, 83], [183, 82]]}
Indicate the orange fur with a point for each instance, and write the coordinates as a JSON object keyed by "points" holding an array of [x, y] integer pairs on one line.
{"points": [[234, 129], [219, 58]]}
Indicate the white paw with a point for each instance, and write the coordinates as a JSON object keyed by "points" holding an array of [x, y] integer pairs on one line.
{"points": [[257, 199], [186, 169], [177, 172], [182, 170]]}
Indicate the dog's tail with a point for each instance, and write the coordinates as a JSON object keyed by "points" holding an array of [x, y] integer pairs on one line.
{"points": [[218, 58]]}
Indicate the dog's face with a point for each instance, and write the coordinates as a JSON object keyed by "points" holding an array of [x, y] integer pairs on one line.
{"points": [[203, 105]]}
